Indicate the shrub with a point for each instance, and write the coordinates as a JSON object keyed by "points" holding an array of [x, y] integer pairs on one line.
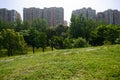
{"points": [[67, 43], [80, 42], [117, 41], [106, 42]]}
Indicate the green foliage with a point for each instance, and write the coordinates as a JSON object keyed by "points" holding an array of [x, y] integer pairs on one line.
{"points": [[26, 25], [93, 63], [77, 23], [6, 25], [18, 25], [105, 33], [107, 42], [40, 25], [41, 41], [81, 27], [13, 42], [32, 38], [68, 43], [35, 38], [117, 41], [80, 42], [61, 31], [56, 42]]}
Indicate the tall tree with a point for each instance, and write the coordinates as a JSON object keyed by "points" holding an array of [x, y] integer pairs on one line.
{"points": [[32, 38], [81, 27], [40, 25], [18, 25], [26, 25]]}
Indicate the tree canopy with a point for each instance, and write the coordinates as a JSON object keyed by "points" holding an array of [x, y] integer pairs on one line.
{"points": [[13, 42]]}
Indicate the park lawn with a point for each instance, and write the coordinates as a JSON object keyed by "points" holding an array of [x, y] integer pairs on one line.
{"points": [[93, 63]]}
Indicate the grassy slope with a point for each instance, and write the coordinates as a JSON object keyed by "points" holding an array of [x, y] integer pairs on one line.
{"points": [[94, 63]]}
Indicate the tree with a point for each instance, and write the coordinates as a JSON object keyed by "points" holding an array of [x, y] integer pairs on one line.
{"points": [[26, 25], [74, 28], [1, 41], [6, 25], [51, 32], [61, 31], [105, 33], [40, 25], [81, 27], [32, 38], [57, 42], [13, 42], [18, 25], [36, 39], [41, 41]]}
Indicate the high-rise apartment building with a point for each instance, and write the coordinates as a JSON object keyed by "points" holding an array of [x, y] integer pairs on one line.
{"points": [[109, 16], [116, 17], [53, 15], [9, 15], [29, 14], [100, 16], [86, 12]]}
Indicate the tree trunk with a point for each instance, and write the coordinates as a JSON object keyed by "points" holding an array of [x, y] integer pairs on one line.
{"points": [[9, 51], [52, 48], [43, 49], [33, 49]]}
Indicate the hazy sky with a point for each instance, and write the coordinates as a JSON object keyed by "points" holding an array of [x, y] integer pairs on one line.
{"points": [[68, 5]]}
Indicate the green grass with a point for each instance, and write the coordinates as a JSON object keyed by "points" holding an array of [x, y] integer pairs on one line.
{"points": [[93, 63]]}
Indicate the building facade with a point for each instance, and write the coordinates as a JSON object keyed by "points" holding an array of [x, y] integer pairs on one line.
{"points": [[29, 14], [54, 15], [88, 13], [109, 16], [9, 15]]}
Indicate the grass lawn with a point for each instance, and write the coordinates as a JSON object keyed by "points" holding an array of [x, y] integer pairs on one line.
{"points": [[93, 63]]}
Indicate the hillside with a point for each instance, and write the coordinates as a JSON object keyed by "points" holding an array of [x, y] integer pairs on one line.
{"points": [[93, 63]]}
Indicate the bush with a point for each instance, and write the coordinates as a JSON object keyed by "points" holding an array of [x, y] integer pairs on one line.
{"points": [[67, 43], [80, 42], [117, 41], [106, 42]]}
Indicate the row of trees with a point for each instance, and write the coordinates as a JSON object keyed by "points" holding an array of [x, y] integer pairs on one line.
{"points": [[81, 33], [96, 33]]}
